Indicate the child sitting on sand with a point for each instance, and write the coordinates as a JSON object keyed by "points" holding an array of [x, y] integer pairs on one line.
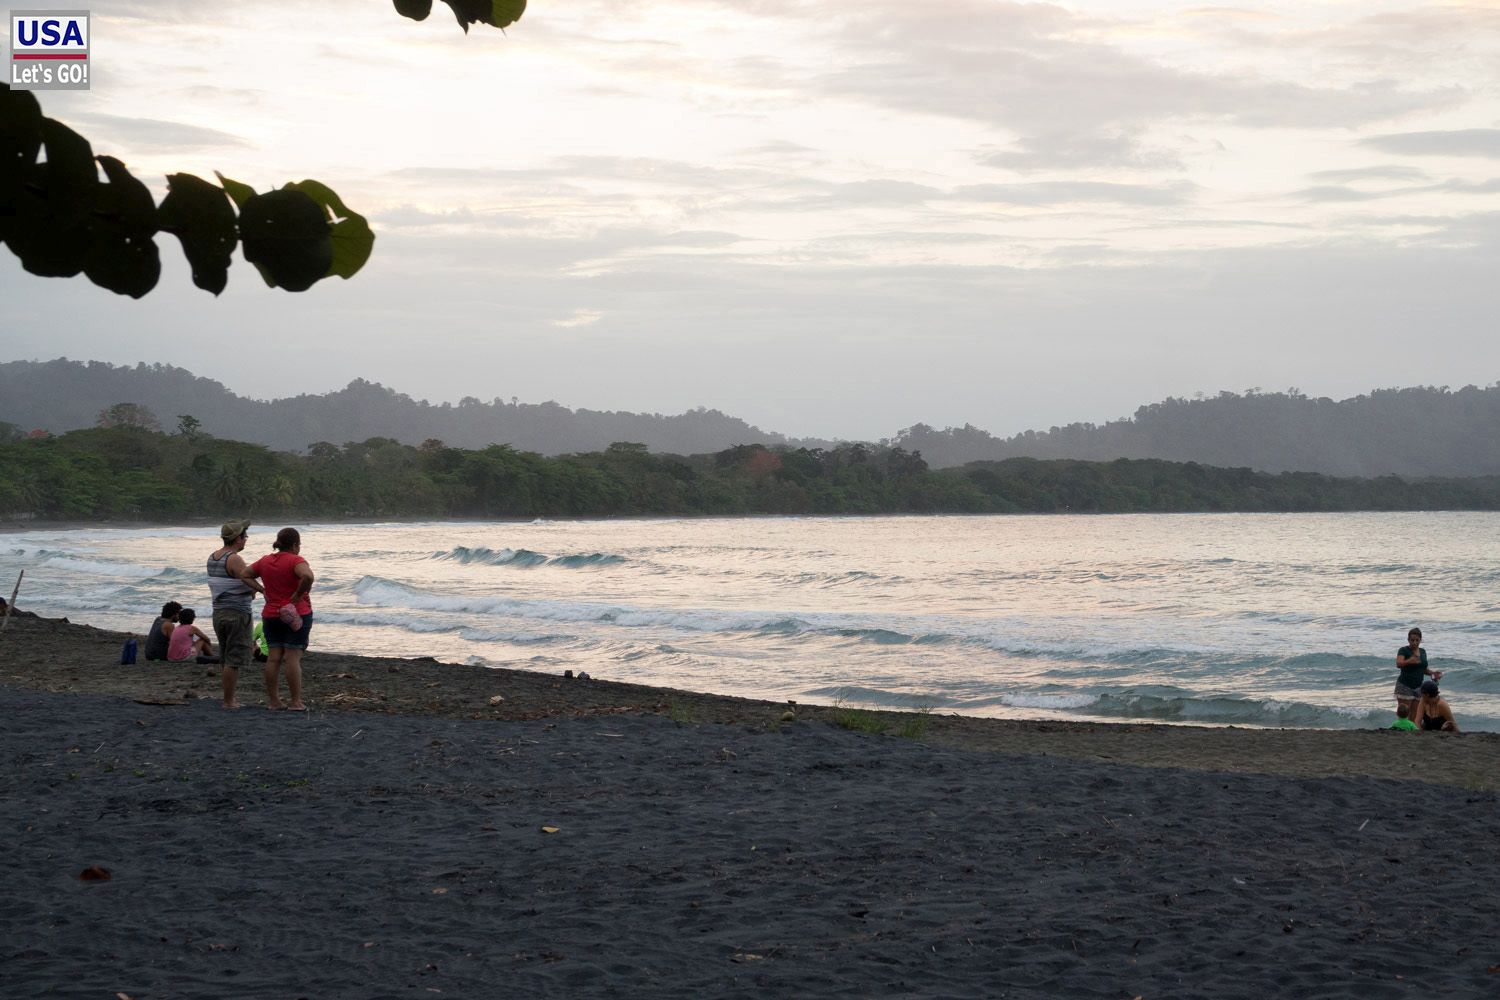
{"points": [[187, 640], [1403, 721]]}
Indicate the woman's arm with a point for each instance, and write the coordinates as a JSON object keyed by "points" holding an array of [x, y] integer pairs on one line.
{"points": [[305, 581], [241, 569], [1416, 717]]}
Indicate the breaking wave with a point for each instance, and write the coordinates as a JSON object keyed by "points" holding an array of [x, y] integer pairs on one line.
{"points": [[525, 558]]}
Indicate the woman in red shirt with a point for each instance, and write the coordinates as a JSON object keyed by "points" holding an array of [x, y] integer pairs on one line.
{"points": [[288, 615]]}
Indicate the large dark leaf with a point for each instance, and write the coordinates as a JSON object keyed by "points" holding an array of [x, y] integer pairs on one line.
{"points": [[352, 238], [20, 141], [199, 215], [417, 10], [125, 200], [239, 193], [51, 230], [498, 13], [122, 255], [286, 236]]}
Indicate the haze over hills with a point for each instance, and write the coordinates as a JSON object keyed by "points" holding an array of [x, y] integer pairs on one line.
{"points": [[1408, 432], [1412, 432], [65, 395]]}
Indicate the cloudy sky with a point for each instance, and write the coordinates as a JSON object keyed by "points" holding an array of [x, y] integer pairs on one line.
{"points": [[830, 217]]}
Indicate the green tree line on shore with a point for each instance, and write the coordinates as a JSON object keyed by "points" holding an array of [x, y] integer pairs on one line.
{"points": [[127, 472]]}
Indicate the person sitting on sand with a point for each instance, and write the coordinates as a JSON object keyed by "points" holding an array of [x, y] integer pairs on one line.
{"points": [[161, 631], [1403, 720], [1411, 660], [187, 640], [1433, 714], [258, 635]]}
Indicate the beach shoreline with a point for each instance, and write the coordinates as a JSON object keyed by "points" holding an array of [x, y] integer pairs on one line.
{"points": [[56, 655]]}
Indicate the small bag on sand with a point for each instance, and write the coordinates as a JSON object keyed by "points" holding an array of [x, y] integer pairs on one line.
{"points": [[290, 618], [127, 652]]}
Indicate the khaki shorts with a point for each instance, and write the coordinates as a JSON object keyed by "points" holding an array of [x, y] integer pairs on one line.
{"points": [[236, 641]]}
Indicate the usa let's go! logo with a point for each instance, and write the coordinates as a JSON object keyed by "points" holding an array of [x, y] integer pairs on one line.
{"points": [[49, 49]]}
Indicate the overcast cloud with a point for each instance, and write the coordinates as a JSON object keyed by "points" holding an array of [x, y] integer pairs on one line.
{"points": [[828, 218]]}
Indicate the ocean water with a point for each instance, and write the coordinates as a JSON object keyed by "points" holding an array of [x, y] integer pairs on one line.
{"points": [[1239, 619]]}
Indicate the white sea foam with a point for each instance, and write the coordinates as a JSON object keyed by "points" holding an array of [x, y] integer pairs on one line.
{"points": [[93, 567], [1052, 701]]}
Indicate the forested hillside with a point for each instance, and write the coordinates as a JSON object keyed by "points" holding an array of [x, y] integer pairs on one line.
{"points": [[64, 395], [1411, 432], [1420, 432]]}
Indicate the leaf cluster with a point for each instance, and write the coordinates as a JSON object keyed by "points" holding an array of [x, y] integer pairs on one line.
{"points": [[61, 219], [496, 13]]}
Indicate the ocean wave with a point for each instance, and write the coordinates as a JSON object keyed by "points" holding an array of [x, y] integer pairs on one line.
{"points": [[1387, 568], [525, 558], [879, 698], [491, 557], [1361, 622], [73, 564], [1134, 704], [1063, 658], [1184, 707], [591, 559], [410, 623], [1228, 710], [381, 592], [514, 638]]}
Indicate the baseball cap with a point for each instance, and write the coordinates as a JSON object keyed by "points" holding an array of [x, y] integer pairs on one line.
{"points": [[1429, 688], [233, 530]]}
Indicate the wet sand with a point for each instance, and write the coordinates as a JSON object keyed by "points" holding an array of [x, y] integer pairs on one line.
{"points": [[52, 655], [593, 839]]}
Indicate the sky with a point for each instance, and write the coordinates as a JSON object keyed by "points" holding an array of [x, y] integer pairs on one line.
{"points": [[831, 218]]}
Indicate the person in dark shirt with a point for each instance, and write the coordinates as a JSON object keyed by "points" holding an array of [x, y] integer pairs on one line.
{"points": [[1411, 660], [1433, 714], [161, 631]]}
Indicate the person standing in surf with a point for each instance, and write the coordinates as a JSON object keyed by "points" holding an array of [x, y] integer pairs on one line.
{"points": [[1411, 660]]}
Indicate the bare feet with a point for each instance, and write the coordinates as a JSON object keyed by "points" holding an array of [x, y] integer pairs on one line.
{"points": [[231, 704], [274, 706], [297, 706]]}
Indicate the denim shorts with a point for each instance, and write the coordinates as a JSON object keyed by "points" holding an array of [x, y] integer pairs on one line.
{"points": [[278, 635]]}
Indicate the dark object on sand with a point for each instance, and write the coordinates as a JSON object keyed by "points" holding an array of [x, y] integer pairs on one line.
{"points": [[127, 652], [94, 873], [12, 602], [209, 659]]}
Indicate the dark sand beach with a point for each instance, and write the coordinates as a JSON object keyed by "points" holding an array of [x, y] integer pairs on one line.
{"points": [[406, 837]]}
